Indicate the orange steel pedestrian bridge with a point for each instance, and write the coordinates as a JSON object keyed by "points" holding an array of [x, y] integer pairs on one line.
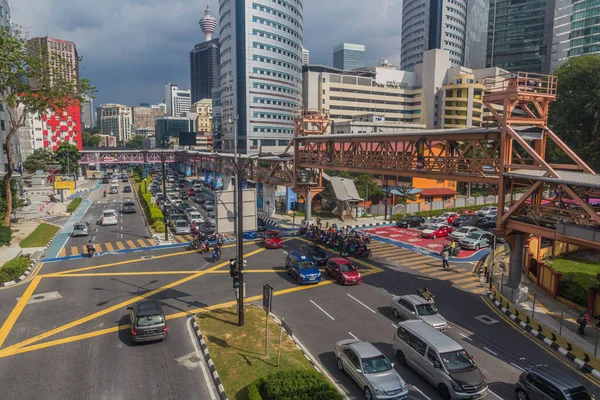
{"points": [[510, 153]]}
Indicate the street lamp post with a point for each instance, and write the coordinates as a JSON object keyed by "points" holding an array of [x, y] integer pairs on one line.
{"points": [[163, 158]]}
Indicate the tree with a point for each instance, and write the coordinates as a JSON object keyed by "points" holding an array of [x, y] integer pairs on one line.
{"points": [[68, 155], [32, 81], [38, 159], [575, 116], [135, 143], [90, 140], [405, 194]]}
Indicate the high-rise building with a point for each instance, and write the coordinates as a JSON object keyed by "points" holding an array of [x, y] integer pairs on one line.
{"points": [[305, 57], [217, 119], [203, 111], [178, 100], [585, 28], [116, 120], [4, 13], [144, 116], [168, 129], [60, 57], [457, 26], [261, 71], [348, 56], [87, 113], [204, 61]]}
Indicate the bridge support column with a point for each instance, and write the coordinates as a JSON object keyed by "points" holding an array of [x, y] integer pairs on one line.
{"points": [[308, 206], [516, 261], [269, 199]]}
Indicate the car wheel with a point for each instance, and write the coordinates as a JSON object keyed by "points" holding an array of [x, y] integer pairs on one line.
{"points": [[341, 281], [400, 357], [368, 394], [298, 279], [444, 392], [340, 364], [434, 237], [326, 272], [521, 395], [477, 248], [396, 313]]}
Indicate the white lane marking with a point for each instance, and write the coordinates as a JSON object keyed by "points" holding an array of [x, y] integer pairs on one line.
{"points": [[421, 392], [465, 336], [209, 383], [489, 391], [325, 312], [350, 333], [485, 348], [364, 305], [516, 366], [395, 326], [93, 238]]}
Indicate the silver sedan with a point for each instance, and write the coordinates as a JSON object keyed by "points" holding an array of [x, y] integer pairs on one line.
{"points": [[181, 227]]}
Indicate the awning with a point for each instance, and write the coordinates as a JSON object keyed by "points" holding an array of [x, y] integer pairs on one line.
{"points": [[411, 193], [344, 189], [438, 192]]}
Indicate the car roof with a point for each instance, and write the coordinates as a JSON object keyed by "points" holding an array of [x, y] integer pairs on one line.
{"points": [[563, 381], [82, 222], [109, 210], [469, 227], [365, 349], [148, 307], [437, 339], [340, 260]]}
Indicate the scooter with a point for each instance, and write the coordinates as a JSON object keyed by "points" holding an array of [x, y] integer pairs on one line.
{"points": [[91, 251], [216, 255], [204, 248]]}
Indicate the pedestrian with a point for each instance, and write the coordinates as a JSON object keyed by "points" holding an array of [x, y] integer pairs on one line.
{"points": [[445, 256], [318, 221]]}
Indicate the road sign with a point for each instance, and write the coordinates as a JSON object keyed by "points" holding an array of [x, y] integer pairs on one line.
{"points": [[267, 297]]}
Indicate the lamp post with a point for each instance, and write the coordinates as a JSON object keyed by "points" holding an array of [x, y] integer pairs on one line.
{"points": [[163, 158]]}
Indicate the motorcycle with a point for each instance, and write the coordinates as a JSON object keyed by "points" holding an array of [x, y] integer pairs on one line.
{"points": [[216, 255], [582, 321], [91, 251], [363, 253], [204, 248], [194, 244]]}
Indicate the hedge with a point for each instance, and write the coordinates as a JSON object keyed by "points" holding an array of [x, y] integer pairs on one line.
{"points": [[301, 384], [151, 211], [159, 227], [13, 269], [437, 213], [74, 204], [5, 235]]}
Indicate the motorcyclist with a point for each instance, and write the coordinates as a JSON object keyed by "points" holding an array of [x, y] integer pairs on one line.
{"points": [[104, 192], [91, 249], [205, 245], [220, 239]]}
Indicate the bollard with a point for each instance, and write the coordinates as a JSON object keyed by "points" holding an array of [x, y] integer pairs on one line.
{"points": [[596, 343], [533, 308], [561, 322]]}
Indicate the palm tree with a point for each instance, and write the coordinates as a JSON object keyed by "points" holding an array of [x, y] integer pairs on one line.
{"points": [[406, 194]]}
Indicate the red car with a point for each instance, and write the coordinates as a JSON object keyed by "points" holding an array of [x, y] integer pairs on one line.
{"points": [[271, 240], [342, 270], [436, 231], [450, 216], [465, 212], [191, 192]]}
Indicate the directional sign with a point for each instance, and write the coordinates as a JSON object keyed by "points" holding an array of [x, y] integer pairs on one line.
{"points": [[267, 297]]}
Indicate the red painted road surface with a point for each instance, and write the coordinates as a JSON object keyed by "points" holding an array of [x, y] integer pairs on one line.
{"points": [[413, 237]]}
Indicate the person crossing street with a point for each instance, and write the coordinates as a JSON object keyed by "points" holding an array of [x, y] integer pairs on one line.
{"points": [[445, 257]]}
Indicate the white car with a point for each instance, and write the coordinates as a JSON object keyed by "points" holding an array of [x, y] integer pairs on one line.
{"points": [[416, 307], [487, 210], [109, 217], [198, 188], [434, 221], [462, 232], [115, 181], [196, 217], [114, 189]]}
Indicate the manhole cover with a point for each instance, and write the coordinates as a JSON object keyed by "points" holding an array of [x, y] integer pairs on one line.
{"points": [[38, 297], [487, 319], [43, 297]]}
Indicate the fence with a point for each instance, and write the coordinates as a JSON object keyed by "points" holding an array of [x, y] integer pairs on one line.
{"points": [[573, 292], [436, 205]]}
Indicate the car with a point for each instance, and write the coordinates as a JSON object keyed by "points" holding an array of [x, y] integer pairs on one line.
{"points": [[487, 210], [343, 271], [191, 192], [175, 200], [491, 220], [543, 383], [174, 217], [105, 180], [208, 230], [271, 240], [181, 227], [478, 222], [127, 189], [409, 221], [208, 206], [183, 180], [115, 181], [261, 225], [212, 217], [169, 210], [182, 206], [81, 229], [195, 216], [188, 210], [170, 179], [462, 232], [436, 231], [114, 189], [315, 252], [198, 188], [465, 212], [476, 240], [109, 217], [199, 198], [460, 220], [449, 216], [434, 221], [183, 194], [302, 268], [370, 369], [412, 306], [128, 207], [147, 321], [124, 179]]}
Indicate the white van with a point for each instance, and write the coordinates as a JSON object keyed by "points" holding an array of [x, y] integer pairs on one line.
{"points": [[440, 360], [109, 217]]}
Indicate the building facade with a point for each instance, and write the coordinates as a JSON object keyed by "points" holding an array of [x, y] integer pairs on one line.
{"points": [[116, 120], [144, 116], [168, 128], [59, 55], [585, 28], [88, 114], [108, 141], [371, 123], [462, 101], [178, 101], [457, 26], [348, 56], [261, 71], [204, 111], [305, 57], [15, 147], [217, 123]]}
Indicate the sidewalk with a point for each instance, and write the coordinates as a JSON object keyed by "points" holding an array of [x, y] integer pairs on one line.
{"points": [[12, 251], [287, 221]]}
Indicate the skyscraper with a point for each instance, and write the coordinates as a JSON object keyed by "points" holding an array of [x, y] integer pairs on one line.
{"points": [[305, 57], [178, 100], [5, 21], [204, 61], [261, 71], [87, 113], [349, 56], [116, 120], [585, 28], [456, 26], [53, 50], [4, 13]]}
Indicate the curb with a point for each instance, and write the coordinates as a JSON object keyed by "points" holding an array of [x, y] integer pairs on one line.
{"points": [[370, 225], [551, 342], [269, 221], [211, 367], [22, 277]]}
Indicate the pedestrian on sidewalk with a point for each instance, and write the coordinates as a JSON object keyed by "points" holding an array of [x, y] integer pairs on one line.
{"points": [[445, 257], [319, 222]]}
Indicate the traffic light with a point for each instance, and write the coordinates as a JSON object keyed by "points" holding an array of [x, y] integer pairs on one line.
{"points": [[234, 272]]}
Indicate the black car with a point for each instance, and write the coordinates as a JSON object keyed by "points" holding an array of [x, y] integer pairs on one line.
{"points": [[208, 230], [127, 189], [199, 198], [147, 321], [477, 222], [208, 206], [124, 179], [460, 220], [315, 252], [410, 221], [491, 219], [183, 195], [128, 207]]}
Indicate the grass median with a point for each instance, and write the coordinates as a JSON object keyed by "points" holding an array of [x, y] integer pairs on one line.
{"points": [[238, 352], [40, 236]]}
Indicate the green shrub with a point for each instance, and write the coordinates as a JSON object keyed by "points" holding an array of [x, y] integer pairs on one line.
{"points": [[74, 204], [5, 235], [293, 385], [13, 269], [437, 213], [159, 227]]}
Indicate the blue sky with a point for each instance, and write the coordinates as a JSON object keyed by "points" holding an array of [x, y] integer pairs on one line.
{"points": [[132, 48]]}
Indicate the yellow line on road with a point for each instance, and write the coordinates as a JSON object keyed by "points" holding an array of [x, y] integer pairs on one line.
{"points": [[121, 274], [470, 285], [141, 243], [74, 250], [14, 314], [63, 252], [467, 279]]}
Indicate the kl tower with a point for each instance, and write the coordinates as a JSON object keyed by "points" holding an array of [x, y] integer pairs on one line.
{"points": [[208, 23]]}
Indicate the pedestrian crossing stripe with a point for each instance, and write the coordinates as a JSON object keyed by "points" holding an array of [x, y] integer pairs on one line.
{"points": [[470, 285], [417, 267], [103, 247], [409, 258], [430, 269], [381, 252], [466, 279], [436, 274]]}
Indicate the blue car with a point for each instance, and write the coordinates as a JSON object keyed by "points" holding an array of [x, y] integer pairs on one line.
{"points": [[302, 268]]}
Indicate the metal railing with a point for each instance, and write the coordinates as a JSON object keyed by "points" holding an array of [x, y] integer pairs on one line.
{"points": [[521, 82]]}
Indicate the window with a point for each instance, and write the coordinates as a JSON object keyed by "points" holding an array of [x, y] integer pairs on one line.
{"points": [[429, 199], [2, 125], [431, 356], [419, 345], [352, 357], [1, 107], [403, 334]]}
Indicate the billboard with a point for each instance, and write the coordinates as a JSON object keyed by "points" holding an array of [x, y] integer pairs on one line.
{"points": [[187, 138], [226, 211], [64, 182]]}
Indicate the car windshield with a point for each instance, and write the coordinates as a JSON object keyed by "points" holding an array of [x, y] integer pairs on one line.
{"points": [[374, 365], [457, 361], [474, 236], [80, 227], [318, 252], [347, 268], [463, 230], [181, 223], [109, 215], [435, 227], [148, 320], [127, 187], [129, 204], [272, 235], [579, 393], [195, 215], [426, 309], [305, 265], [445, 215]]}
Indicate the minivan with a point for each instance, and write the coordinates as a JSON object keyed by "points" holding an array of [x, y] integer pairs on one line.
{"points": [[440, 360]]}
